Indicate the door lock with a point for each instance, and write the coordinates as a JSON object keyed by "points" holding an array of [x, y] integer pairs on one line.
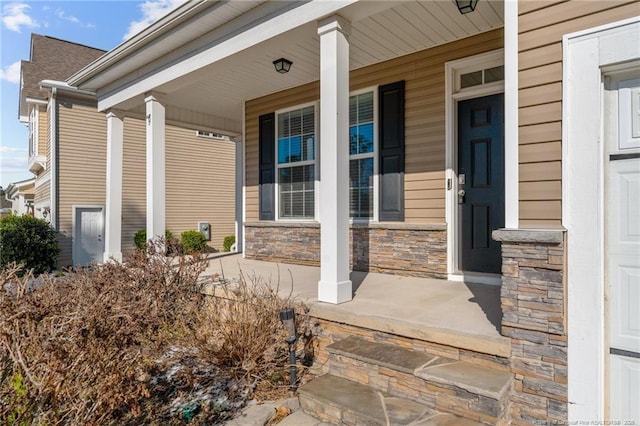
{"points": [[461, 196]]}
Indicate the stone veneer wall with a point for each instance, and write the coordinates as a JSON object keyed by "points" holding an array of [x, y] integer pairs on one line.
{"points": [[533, 300], [397, 248]]}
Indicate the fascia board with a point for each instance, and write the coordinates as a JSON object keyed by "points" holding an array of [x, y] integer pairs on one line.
{"points": [[165, 24]]}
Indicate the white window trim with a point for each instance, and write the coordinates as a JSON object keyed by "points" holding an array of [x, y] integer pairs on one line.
{"points": [[314, 162], [453, 70], [374, 90]]}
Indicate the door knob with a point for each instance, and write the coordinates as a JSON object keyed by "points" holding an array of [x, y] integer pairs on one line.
{"points": [[461, 196]]}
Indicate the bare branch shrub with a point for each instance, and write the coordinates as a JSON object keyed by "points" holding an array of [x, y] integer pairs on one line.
{"points": [[241, 330], [137, 343], [74, 349]]}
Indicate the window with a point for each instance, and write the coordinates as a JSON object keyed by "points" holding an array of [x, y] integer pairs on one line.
{"points": [[295, 153], [480, 77], [361, 155], [33, 131]]}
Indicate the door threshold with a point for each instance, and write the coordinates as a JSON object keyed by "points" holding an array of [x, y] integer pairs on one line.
{"points": [[476, 277]]}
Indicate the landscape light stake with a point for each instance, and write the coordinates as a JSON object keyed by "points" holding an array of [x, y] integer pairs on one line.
{"points": [[288, 319]]}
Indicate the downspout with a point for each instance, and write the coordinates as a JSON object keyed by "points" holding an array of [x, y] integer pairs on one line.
{"points": [[54, 160]]}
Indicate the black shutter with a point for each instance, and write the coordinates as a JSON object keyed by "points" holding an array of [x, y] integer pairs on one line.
{"points": [[267, 139], [391, 155]]}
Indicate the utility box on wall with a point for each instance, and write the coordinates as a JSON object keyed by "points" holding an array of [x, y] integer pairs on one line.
{"points": [[205, 228]]}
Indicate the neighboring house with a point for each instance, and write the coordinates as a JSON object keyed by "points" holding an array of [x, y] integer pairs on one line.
{"points": [[21, 195], [408, 138], [67, 154]]}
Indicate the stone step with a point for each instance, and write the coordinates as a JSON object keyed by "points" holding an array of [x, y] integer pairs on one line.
{"points": [[472, 391], [340, 401]]}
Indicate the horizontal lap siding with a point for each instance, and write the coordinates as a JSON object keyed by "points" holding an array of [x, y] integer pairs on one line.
{"points": [[81, 166], [541, 26], [43, 129], [42, 193], [200, 184], [424, 121], [134, 191]]}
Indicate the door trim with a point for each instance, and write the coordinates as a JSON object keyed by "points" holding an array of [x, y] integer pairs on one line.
{"points": [[74, 211], [452, 70], [585, 55]]}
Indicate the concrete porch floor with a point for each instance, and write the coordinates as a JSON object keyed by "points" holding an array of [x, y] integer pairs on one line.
{"points": [[462, 315]]}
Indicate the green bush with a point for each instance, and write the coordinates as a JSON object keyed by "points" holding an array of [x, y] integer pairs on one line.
{"points": [[140, 238], [228, 242], [193, 242], [29, 241]]}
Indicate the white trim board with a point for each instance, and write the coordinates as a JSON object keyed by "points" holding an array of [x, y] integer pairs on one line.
{"points": [[585, 54]]}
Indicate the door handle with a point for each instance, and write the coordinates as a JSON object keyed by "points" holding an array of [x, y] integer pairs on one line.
{"points": [[461, 196]]}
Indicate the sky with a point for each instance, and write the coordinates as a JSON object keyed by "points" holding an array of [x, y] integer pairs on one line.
{"points": [[100, 24]]}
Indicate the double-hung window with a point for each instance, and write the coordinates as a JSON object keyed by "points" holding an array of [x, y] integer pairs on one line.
{"points": [[296, 168], [361, 155]]}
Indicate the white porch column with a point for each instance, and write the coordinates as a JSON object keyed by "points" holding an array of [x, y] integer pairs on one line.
{"points": [[239, 195], [113, 200], [155, 118], [334, 285], [511, 147]]}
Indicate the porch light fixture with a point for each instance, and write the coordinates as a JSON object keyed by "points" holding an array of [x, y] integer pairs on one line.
{"points": [[466, 6], [283, 65], [288, 320]]}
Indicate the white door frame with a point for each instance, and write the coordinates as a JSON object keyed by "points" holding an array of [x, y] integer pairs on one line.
{"points": [[586, 54], [74, 211], [453, 69]]}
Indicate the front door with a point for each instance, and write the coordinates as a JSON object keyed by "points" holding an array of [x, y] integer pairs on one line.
{"points": [[480, 182], [88, 244]]}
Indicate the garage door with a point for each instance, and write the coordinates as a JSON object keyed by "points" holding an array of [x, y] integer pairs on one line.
{"points": [[622, 238]]}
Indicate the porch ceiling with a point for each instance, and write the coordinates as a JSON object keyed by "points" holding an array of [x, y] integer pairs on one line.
{"points": [[381, 30]]}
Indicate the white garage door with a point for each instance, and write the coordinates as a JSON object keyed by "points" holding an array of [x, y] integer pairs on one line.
{"points": [[623, 244]]}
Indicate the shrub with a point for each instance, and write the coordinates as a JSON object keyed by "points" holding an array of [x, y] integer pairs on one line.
{"points": [[138, 343], [193, 242], [140, 238], [85, 348], [228, 242], [28, 241]]}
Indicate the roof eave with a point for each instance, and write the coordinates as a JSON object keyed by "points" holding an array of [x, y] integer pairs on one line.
{"points": [[163, 25]]}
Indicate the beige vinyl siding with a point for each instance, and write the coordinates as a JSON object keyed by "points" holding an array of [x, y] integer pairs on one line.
{"points": [[42, 194], [425, 146], [43, 130], [134, 192], [82, 133], [541, 26], [200, 184]]}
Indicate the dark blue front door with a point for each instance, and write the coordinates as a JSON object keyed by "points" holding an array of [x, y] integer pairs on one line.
{"points": [[480, 182]]}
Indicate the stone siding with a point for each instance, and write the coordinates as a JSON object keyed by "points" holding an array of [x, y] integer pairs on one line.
{"points": [[326, 332], [533, 300], [401, 249]]}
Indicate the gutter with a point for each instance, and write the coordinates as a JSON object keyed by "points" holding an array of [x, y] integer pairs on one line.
{"points": [[163, 25], [63, 86]]}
